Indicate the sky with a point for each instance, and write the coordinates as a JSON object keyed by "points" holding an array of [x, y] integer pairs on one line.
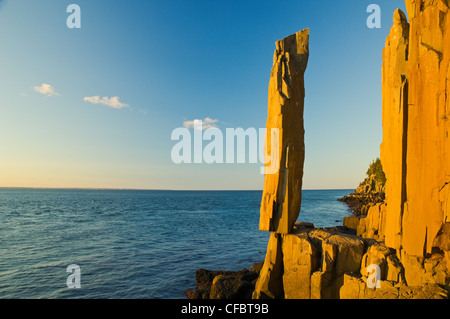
{"points": [[95, 107]]}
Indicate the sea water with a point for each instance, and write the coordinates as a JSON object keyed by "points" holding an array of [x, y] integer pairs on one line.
{"points": [[134, 243]]}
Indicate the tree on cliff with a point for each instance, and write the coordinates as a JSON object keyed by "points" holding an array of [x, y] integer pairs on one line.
{"points": [[375, 173], [369, 192]]}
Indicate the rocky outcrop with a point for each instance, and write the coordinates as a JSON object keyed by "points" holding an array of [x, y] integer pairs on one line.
{"points": [[281, 199], [308, 263], [224, 284], [395, 281], [370, 191]]}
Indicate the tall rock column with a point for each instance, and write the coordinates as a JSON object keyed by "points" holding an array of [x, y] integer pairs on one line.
{"points": [[281, 199], [395, 125]]}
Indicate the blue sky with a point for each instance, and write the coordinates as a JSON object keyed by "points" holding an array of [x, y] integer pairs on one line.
{"points": [[168, 62]]}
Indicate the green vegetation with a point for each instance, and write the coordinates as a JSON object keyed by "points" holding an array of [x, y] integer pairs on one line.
{"points": [[375, 169]]}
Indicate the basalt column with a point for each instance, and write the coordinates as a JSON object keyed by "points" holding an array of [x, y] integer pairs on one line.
{"points": [[416, 145], [281, 199], [395, 125]]}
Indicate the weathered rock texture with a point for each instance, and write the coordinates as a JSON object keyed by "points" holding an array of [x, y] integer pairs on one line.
{"points": [[374, 224], [395, 119], [416, 147], [281, 199], [320, 263], [309, 263]]}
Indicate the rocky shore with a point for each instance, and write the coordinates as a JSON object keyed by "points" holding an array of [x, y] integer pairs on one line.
{"points": [[315, 263]]}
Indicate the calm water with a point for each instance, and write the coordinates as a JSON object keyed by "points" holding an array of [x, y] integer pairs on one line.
{"points": [[134, 244]]}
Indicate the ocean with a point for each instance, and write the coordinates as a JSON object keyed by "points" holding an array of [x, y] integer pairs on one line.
{"points": [[133, 244]]}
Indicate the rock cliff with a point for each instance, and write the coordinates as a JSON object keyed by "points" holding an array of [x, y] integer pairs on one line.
{"points": [[415, 148], [415, 84]]}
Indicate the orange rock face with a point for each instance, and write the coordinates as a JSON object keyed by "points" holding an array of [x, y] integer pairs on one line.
{"points": [[416, 148], [395, 120], [281, 199]]}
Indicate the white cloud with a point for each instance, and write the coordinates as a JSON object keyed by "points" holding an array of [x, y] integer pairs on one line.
{"points": [[201, 124], [111, 102], [45, 89]]}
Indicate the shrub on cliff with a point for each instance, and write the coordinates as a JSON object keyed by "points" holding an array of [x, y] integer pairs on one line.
{"points": [[375, 169]]}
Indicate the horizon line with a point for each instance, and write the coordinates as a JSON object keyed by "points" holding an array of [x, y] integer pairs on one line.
{"points": [[158, 189]]}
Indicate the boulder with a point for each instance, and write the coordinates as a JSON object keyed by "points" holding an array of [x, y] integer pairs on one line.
{"points": [[224, 284], [391, 269]]}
